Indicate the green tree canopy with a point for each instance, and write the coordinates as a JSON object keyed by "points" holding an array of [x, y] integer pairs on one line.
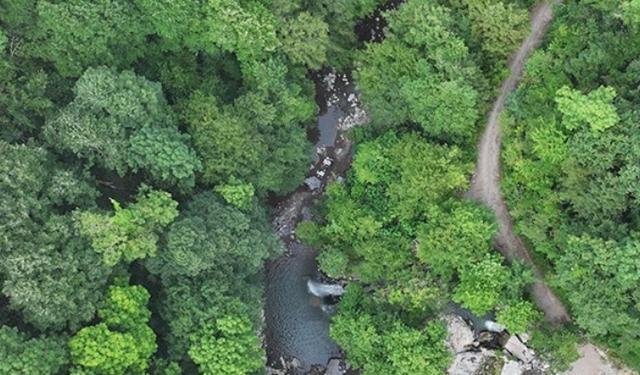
{"points": [[22, 354], [305, 39], [422, 73], [261, 138], [594, 109], [53, 279], [48, 274], [227, 347], [76, 34], [210, 234], [131, 233], [379, 343], [123, 342], [120, 121], [456, 238]]}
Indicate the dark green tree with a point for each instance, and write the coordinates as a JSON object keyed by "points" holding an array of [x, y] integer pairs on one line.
{"points": [[76, 34], [22, 354], [48, 273], [212, 235], [261, 139], [120, 121]]}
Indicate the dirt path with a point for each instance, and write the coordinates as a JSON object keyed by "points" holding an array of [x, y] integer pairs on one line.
{"points": [[485, 185]]}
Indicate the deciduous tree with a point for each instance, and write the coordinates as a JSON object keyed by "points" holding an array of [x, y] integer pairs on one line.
{"points": [[22, 354], [227, 347], [76, 34], [123, 342], [131, 233], [213, 235], [120, 121]]}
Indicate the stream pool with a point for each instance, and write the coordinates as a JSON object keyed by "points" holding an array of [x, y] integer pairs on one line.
{"points": [[296, 325]]}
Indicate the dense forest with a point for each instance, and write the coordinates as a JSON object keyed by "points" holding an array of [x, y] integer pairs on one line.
{"points": [[142, 140]]}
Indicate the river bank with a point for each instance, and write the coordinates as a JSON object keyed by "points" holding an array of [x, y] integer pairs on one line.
{"points": [[297, 327]]}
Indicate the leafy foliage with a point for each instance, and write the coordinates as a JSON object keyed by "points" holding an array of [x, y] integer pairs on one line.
{"points": [[22, 354], [499, 25], [558, 346], [519, 317], [77, 34], [595, 108], [382, 349], [120, 122], [231, 77], [259, 139], [131, 233], [122, 343], [228, 347], [47, 272], [210, 235], [455, 239], [421, 72], [237, 194], [571, 166], [305, 40]]}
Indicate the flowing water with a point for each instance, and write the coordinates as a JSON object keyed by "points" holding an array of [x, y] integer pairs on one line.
{"points": [[326, 132], [296, 315], [319, 289], [297, 327]]}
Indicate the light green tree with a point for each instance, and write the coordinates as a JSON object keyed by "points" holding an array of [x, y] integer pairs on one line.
{"points": [[594, 109], [123, 342], [237, 193], [227, 347], [130, 233], [446, 110], [519, 317], [455, 238], [481, 284]]}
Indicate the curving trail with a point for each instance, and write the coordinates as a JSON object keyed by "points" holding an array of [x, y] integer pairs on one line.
{"points": [[485, 186]]}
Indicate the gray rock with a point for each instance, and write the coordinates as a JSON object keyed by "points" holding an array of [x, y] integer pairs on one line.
{"points": [[512, 368], [333, 367], [470, 363], [524, 337], [295, 363], [460, 334], [519, 350], [275, 371]]}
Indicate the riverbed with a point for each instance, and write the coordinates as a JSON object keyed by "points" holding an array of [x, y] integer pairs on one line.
{"points": [[296, 325]]}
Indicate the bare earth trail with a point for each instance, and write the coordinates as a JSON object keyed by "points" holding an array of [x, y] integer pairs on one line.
{"points": [[485, 186]]}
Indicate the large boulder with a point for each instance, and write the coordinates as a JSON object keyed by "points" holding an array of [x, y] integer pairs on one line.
{"points": [[333, 367], [512, 368], [460, 336], [519, 350], [472, 363]]}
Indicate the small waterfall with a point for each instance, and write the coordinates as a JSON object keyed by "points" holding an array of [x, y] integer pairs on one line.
{"points": [[492, 326], [324, 290]]}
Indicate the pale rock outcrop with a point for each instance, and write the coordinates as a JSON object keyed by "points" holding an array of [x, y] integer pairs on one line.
{"points": [[519, 350], [512, 368], [333, 367], [460, 334]]}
